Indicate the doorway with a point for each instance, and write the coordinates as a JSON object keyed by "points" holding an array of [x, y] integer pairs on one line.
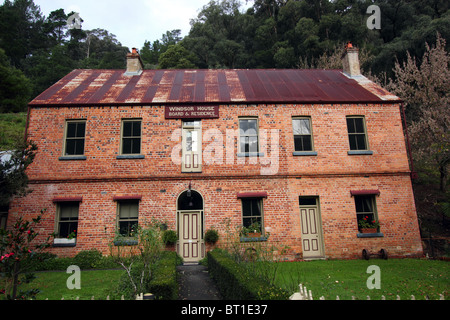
{"points": [[190, 226], [311, 223]]}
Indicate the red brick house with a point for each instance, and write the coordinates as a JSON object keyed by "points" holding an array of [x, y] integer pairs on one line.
{"points": [[306, 154]]}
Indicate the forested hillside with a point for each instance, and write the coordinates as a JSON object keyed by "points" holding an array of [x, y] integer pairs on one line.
{"points": [[409, 55], [36, 51]]}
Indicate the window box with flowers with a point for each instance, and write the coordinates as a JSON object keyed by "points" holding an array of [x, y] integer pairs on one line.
{"points": [[369, 228], [253, 233], [70, 241], [366, 215]]}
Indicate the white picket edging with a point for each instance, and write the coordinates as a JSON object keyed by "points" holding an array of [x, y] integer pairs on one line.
{"points": [[93, 298], [305, 294]]}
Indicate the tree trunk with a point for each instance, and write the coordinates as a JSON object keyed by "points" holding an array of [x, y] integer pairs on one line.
{"points": [[443, 178], [15, 280]]}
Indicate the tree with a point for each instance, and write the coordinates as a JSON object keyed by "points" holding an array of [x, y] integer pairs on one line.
{"points": [[16, 250], [15, 87], [139, 260], [55, 27], [103, 51], [20, 29], [176, 57], [13, 177], [426, 90], [46, 67], [150, 53]]}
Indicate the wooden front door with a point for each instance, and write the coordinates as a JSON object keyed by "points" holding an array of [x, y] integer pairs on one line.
{"points": [[191, 246], [312, 238]]}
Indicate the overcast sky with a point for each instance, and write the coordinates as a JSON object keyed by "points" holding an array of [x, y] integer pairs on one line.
{"points": [[132, 21]]}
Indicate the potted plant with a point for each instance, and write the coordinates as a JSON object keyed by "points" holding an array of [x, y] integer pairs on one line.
{"points": [[170, 237], [368, 226], [211, 236], [252, 231]]}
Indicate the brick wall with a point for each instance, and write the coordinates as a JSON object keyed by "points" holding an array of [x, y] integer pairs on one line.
{"points": [[330, 175], [97, 216], [384, 128]]}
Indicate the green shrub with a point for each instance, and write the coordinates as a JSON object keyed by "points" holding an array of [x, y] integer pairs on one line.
{"points": [[91, 259], [211, 236], [49, 262], [170, 237], [236, 282], [88, 259], [163, 282]]}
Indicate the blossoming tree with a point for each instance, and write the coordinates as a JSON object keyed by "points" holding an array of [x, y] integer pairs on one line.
{"points": [[16, 249]]}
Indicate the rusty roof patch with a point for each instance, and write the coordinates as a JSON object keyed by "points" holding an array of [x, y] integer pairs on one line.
{"points": [[112, 87]]}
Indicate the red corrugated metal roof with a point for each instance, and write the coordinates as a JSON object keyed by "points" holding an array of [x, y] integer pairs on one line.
{"points": [[113, 87]]}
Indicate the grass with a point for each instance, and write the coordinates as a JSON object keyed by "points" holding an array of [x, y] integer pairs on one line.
{"points": [[12, 129], [347, 278], [97, 283], [331, 278]]}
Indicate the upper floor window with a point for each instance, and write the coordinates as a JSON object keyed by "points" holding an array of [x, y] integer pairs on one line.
{"points": [[75, 136], [248, 135], [357, 133], [302, 134], [131, 137]]}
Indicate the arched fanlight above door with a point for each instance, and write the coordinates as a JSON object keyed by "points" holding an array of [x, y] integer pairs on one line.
{"points": [[190, 200]]}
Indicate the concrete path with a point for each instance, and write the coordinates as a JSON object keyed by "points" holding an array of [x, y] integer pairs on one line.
{"points": [[196, 284]]}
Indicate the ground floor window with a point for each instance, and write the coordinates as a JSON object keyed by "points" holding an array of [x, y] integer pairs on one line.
{"points": [[3, 217], [366, 213], [252, 215], [67, 220], [128, 217]]}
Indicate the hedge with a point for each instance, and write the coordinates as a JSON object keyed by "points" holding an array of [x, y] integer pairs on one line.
{"points": [[86, 260], [164, 284], [236, 282]]}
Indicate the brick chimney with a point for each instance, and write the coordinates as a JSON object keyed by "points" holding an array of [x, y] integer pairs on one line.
{"points": [[134, 64], [350, 61]]}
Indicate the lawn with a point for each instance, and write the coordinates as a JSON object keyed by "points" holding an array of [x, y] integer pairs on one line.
{"points": [[97, 283], [331, 278], [403, 277], [12, 129]]}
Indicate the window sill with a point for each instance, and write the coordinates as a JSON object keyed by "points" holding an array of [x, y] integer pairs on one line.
{"points": [[126, 242], [250, 239], [64, 243], [370, 235], [72, 158], [130, 157], [304, 153], [360, 152], [250, 154]]}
